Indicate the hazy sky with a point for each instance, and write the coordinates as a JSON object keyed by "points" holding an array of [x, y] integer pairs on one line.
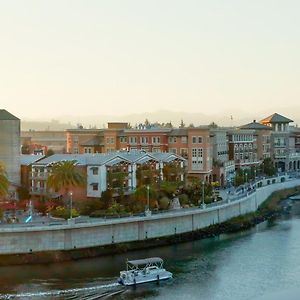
{"points": [[118, 57]]}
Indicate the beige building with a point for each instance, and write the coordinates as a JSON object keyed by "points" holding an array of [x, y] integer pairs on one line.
{"points": [[262, 135]]}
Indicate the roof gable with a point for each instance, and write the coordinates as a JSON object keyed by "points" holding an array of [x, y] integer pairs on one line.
{"points": [[276, 118]]}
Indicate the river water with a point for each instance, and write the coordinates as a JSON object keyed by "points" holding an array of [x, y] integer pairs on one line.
{"points": [[263, 263]]}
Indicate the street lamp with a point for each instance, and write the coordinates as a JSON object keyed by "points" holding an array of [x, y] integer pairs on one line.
{"points": [[147, 211], [203, 204], [71, 204], [148, 197]]}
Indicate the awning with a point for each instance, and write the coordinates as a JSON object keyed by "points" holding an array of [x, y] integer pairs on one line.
{"points": [[151, 260]]}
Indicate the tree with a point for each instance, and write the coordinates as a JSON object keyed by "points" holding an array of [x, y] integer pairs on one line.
{"points": [[25, 148], [65, 175], [268, 167], [213, 125], [49, 152], [4, 183], [182, 125]]}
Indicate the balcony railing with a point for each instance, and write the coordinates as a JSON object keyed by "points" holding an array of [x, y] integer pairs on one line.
{"points": [[41, 176], [280, 145]]}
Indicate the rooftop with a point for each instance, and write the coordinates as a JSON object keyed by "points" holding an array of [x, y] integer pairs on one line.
{"points": [[276, 118], [256, 126], [5, 115]]}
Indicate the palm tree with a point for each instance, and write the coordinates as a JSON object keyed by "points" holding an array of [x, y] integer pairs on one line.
{"points": [[4, 183], [65, 175]]}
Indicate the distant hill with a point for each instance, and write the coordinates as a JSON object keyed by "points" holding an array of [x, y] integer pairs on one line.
{"points": [[228, 118]]}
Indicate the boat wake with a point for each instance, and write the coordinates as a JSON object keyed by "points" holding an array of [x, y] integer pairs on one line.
{"points": [[85, 293]]}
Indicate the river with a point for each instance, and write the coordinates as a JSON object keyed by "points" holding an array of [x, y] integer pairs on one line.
{"points": [[263, 263]]}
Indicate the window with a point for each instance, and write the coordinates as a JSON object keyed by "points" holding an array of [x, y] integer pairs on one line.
{"points": [[172, 139], [110, 140], [95, 186], [95, 171], [123, 139], [173, 150], [184, 152], [197, 139], [155, 149], [132, 140], [144, 140], [155, 140], [76, 151], [197, 158], [184, 139]]}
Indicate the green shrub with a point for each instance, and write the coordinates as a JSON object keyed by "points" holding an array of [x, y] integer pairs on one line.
{"points": [[164, 203], [116, 208], [98, 213], [184, 199], [86, 207], [64, 213], [168, 188]]}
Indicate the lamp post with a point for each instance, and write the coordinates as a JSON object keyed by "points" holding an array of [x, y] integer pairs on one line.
{"points": [[71, 204], [203, 203], [148, 197], [148, 211]]}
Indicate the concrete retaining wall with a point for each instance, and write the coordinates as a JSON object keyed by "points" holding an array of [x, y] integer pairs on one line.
{"points": [[107, 232]]}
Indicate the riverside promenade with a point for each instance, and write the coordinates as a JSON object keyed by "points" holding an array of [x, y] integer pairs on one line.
{"points": [[36, 238]]}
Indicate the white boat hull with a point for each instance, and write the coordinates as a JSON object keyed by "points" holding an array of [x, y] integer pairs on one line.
{"points": [[139, 278]]}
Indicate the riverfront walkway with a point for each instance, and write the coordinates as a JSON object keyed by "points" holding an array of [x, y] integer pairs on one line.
{"points": [[228, 195]]}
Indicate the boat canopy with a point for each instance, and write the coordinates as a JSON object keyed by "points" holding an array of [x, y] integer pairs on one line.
{"points": [[146, 261]]}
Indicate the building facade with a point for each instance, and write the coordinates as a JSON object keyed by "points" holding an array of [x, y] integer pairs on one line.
{"points": [[120, 172], [283, 144], [10, 147], [40, 141]]}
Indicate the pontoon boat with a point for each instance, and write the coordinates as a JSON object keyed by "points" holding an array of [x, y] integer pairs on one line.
{"points": [[144, 270]]}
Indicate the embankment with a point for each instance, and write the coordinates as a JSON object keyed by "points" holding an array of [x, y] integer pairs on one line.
{"points": [[41, 244]]}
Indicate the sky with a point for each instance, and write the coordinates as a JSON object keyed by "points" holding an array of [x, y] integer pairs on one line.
{"points": [[119, 57]]}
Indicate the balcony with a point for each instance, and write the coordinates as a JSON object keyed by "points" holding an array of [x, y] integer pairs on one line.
{"points": [[280, 145], [38, 191], [39, 176], [294, 155]]}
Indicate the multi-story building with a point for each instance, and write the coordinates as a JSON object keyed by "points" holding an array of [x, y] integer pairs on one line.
{"points": [[223, 168], [10, 147], [243, 148], [200, 153], [42, 140], [194, 144], [295, 132], [262, 134], [81, 140], [283, 147], [118, 171], [148, 139]]}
